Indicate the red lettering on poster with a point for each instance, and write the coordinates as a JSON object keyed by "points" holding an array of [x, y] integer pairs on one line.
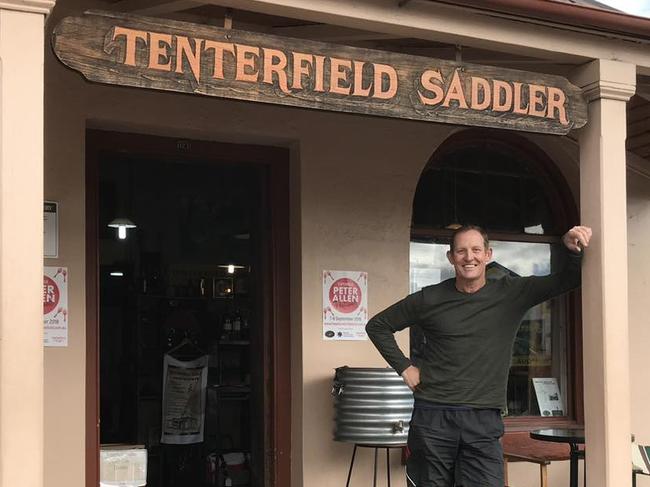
{"points": [[345, 295], [51, 295]]}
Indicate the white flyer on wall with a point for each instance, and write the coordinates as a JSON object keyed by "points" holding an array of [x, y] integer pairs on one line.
{"points": [[345, 305], [183, 406], [50, 229], [55, 306]]}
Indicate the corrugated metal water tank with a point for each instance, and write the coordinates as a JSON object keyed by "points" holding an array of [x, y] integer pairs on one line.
{"points": [[372, 406]]}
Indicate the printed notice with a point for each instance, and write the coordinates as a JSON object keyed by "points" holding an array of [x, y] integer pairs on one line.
{"points": [[51, 229], [183, 408], [55, 306], [548, 396], [345, 305]]}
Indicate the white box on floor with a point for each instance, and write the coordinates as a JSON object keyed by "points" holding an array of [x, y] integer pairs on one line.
{"points": [[122, 466]]}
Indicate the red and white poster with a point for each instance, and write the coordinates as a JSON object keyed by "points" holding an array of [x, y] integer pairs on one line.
{"points": [[55, 306], [345, 305]]}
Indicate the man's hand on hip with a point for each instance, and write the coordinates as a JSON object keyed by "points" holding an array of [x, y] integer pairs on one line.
{"points": [[577, 238], [411, 376]]}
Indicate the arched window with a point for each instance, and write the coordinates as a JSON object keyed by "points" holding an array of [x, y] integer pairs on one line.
{"points": [[508, 186]]}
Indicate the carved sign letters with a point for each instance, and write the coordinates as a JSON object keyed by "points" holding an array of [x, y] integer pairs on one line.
{"points": [[175, 56]]}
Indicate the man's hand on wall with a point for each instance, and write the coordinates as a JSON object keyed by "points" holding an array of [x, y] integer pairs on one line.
{"points": [[577, 238], [411, 376]]}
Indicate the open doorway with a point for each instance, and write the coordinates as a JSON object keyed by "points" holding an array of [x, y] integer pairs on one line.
{"points": [[190, 248]]}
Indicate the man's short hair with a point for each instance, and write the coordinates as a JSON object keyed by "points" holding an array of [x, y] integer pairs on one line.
{"points": [[467, 228]]}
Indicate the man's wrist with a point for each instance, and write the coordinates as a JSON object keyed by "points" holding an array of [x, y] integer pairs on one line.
{"points": [[403, 367], [574, 253]]}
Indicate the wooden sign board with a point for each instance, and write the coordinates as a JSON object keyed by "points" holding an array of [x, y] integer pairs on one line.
{"points": [[167, 55]]}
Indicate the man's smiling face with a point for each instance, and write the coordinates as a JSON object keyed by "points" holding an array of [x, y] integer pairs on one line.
{"points": [[469, 257]]}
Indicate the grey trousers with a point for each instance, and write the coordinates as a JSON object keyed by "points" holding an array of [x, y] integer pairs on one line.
{"points": [[452, 446]]}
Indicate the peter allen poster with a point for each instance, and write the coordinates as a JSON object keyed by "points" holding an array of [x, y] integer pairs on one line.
{"points": [[55, 306], [345, 305]]}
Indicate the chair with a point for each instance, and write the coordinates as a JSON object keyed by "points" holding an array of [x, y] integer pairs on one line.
{"points": [[640, 461], [520, 447]]}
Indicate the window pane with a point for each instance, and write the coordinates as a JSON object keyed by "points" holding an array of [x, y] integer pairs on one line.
{"points": [[429, 264], [540, 346], [485, 184]]}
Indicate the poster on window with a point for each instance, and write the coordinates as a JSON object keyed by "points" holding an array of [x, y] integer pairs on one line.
{"points": [[55, 306], [183, 405], [548, 396], [345, 305]]}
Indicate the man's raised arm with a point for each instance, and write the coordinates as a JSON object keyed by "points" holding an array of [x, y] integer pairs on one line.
{"points": [[537, 289]]}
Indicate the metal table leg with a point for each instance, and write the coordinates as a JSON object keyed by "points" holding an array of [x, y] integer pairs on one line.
{"points": [[573, 482], [388, 466], [354, 452], [374, 482], [375, 466]]}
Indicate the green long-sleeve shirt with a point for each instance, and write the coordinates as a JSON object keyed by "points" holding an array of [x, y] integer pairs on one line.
{"points": [[469, 336]]}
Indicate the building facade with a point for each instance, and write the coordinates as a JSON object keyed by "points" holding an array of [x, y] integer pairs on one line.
{"points": [[341, 195]]}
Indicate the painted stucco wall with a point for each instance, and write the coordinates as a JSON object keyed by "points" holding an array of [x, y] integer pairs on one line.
{"points": [[352, 180], [21, 248]]}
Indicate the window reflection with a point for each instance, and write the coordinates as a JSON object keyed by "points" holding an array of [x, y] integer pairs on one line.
{"points": [[539, 349]]}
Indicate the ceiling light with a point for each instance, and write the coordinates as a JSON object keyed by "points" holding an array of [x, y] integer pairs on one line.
{"points": [[231, 267], [121, 224]]}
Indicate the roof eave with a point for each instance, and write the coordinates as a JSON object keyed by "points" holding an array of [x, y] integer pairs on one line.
{"points": [[614, 22]]}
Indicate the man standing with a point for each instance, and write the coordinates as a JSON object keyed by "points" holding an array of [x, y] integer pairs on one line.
{"points": [[470, 325]]}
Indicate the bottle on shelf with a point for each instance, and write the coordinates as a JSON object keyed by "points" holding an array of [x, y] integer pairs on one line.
{"points": [[245, 329], [236, 327], [227, 328]]}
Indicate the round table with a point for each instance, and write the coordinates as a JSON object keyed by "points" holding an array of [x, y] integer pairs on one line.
{"points": [[572, 436]]}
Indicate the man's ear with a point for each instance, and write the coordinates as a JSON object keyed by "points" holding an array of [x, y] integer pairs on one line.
{"points": [[489, 253], [449, 257]]}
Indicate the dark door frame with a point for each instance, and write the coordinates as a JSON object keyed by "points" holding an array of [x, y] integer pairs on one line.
{"points": [[277, 331]]}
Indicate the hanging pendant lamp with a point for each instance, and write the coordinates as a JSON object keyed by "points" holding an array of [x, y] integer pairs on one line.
{"points": [[121, 224]]}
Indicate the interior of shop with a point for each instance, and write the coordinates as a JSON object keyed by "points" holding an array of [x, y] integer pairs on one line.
{"points": [[181, 243]]}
